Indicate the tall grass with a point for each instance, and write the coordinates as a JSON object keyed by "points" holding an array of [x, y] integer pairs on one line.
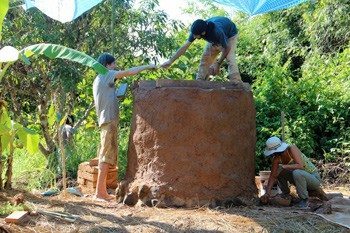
{"points": [[84, 148], [123, 150], [31, 172]]}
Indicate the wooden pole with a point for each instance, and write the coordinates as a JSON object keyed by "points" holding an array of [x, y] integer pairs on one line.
{"points": [[63, 158], [283, 119]]}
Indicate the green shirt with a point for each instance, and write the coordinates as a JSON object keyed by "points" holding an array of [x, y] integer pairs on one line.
{"points": [[308, 165]]}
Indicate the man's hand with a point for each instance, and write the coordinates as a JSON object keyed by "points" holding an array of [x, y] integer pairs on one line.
{"points": [[214, 69], [166, 64]]}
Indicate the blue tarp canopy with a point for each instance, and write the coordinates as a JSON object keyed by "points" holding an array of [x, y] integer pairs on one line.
{"points": [[68, 10], [255, 7], [62, 10]]}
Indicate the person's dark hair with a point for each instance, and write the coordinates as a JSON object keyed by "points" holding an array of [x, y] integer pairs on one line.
{"points": [[280, 153], [277, 153], [105, 59], [198, 27], [70, 120]]}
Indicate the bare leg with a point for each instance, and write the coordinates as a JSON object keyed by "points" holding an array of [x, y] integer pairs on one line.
{"points": [[107, 157], [101, 186]]}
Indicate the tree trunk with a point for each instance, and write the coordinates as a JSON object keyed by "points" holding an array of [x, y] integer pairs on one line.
{"points": [[16, 106], [8, 183], [50, 144], [86, 114]]}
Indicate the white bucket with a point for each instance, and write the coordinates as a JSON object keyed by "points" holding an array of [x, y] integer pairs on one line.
{"points": [[262, 183]]}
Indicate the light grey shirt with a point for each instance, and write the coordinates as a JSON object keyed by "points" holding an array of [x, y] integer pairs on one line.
{"points": [[105, 98], [67, 133]]}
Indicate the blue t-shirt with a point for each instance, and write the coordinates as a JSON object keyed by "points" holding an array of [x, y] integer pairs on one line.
{"points": [[223, 29]]}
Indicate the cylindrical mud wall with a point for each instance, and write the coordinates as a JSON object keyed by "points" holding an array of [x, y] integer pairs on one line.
{"points": [[192, 142]]}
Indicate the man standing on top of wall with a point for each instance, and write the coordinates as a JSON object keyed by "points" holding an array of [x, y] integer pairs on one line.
{"points": [[221, 34]]}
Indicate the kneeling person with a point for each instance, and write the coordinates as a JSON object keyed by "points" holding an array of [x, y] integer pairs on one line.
{"points": [[289, 164]]}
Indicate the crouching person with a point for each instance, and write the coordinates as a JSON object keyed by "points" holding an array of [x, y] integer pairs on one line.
{"points": [[290, 165]]}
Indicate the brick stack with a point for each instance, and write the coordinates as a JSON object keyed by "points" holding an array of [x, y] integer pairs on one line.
{"points": [[87, 176]]}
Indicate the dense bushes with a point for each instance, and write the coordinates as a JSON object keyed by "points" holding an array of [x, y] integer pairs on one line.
{"points": [[304, 73]]}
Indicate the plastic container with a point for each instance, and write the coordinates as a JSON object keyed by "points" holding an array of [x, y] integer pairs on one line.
{"points": [[264, 177]]}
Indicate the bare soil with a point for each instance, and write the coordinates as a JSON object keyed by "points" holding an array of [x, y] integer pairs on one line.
{"points": [[113, 217]]}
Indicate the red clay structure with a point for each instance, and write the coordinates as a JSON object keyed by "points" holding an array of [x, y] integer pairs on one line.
{"points": [[192, 143]]}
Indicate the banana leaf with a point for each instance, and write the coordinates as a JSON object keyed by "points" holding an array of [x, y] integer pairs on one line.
{"points": [[58, 51], [4, 6]]}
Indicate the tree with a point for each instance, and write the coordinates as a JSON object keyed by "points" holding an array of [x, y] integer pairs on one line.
{"points": [[141, 36]]}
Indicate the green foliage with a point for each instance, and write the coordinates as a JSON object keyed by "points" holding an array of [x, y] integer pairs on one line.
{"points": [[29, 139], [52, 51], [5, 126], [123, 149], [328, 26], [30, 171], [4, 6], [9, 130], [205, 9], [7, 208], [291, 73], [51, 116], [86, 143], [297, 61]]}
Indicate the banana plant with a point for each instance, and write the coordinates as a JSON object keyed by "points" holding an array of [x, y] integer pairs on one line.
{"points": [[9, 55], [4, 6], [9, 132]]}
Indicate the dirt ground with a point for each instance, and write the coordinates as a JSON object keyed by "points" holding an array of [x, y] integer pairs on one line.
{"points": [[111, 217]]}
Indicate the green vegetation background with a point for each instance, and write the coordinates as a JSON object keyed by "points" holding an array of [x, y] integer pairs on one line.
{"points": [[297, 61]]}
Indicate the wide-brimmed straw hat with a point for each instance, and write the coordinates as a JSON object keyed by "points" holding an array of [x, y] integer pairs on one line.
{"points": [[273, 145]]}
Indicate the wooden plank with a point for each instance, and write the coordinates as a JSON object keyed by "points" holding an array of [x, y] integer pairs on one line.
{"points": [[110, 170], [87, 190], [16, 217], [83, 165], [112, 183]]}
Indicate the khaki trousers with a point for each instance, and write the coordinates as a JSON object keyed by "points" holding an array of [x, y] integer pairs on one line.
{"points": [[302, 180], [209, 57], [108, 152]]}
